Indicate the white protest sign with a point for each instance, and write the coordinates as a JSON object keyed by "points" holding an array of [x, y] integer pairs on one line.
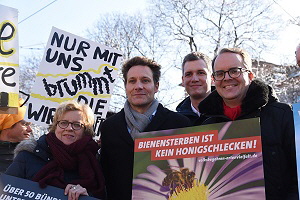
{"points": [[73, 68], [9, 57]]}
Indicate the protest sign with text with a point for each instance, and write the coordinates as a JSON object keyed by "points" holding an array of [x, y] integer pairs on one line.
{"points": [[9, 60], [201, 162], [13, 188], [73, 68]]}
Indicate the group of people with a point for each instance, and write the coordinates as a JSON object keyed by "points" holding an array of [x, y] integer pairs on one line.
{"points": [[237, 95], [65, 157]]}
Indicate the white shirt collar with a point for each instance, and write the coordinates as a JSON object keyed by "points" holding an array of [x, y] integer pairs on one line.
{"points": [[195, 110]]}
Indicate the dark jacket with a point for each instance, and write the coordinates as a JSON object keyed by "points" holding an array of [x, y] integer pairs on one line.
{"points": [[117, 149], [277, 131], [31, 156], [6, 154], [185, 109]]}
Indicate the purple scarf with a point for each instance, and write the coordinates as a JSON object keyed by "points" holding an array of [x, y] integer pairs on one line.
{"points": [[79, 156]]}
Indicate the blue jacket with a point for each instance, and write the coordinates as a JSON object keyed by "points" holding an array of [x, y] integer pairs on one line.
{"points": [[185, 109], [31, 156]]}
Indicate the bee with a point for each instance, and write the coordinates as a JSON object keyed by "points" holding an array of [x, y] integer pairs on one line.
{"points": [[178, 180]]}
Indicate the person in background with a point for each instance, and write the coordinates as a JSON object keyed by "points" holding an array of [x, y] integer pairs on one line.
{"points": [[66, 156], [13, 129], [239, 96], [108, 115], [196, 79], [141, 113], [297, 52]]}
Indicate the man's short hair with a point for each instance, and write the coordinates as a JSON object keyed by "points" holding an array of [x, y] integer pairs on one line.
{"points": [[197, 56], [245, 56], [141, 60]]}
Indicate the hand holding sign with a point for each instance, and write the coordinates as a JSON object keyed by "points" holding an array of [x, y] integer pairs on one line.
{"points": [[21, 189], [74, 191]]}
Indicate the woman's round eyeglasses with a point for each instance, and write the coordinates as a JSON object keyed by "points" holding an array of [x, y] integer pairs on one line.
{"points": [[75, 125]]}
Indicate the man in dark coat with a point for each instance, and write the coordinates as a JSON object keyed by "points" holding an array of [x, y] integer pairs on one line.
{"points": [[238, 96], [13, 129], [141, 113], [196, 79]]}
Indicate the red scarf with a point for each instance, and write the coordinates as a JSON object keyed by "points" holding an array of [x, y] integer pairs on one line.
{"points": [[232, 113], [79, 156]]}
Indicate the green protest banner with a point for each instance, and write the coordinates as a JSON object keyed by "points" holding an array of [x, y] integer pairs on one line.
{"points": [[216, 161]]}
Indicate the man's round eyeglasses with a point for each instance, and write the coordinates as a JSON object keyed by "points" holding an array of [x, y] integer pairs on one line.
{"points": [[75, 125], [233, 73]]}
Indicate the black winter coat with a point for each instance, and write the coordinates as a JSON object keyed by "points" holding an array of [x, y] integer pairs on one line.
{"points": [[277, 131], [117, 149], [6, 154], [185, 109]]}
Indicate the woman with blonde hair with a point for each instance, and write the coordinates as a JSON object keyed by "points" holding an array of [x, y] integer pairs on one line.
{"points": [[66, 156]]}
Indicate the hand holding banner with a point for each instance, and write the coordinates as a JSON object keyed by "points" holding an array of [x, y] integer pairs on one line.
{"points": [[22, 189]]}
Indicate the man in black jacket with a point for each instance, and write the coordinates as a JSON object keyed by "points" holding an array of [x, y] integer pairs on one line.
{"points": [[141, 113], [238, 96], [196, 79], [13, 129]]}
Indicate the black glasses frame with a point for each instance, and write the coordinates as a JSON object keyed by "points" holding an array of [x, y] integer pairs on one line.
{"points": [[241, 70], [72, 125]]}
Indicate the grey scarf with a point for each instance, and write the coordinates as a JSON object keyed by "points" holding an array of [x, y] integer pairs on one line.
{"points": [[136, 121]]}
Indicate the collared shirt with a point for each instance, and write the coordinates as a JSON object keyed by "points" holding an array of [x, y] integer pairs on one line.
{"points": [[195, 110]]}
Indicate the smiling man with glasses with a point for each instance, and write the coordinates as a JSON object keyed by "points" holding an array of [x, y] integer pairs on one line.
{"points": [[234, 72], [238, 96]]}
